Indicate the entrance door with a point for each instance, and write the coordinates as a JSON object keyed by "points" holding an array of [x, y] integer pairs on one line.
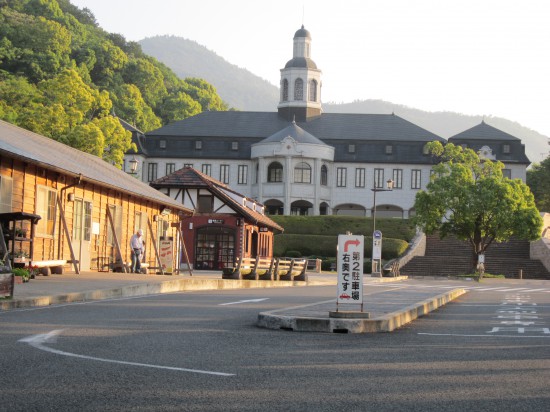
{"points": [[215, 248], [82, 232]]}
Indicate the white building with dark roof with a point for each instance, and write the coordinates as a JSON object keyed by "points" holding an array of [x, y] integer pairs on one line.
{"points": [[299, 160]]}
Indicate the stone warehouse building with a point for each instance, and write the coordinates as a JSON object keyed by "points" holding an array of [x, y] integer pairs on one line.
{"points": [[300, 160]]}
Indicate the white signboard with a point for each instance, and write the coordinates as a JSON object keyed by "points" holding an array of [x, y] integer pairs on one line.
{"points": [[350, 269], [166, 252]]}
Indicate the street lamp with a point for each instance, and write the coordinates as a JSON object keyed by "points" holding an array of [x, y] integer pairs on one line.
{"points": [[133, 165], [377, 236]]}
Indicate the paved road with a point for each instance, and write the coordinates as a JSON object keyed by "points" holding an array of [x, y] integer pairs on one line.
{"points": [[488, 350]]}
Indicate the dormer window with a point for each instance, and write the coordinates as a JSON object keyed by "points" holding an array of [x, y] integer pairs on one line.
{"points": [[162, 144], [506, 148], [389, 149], [198, 145], [234, 145], [351, 148]]}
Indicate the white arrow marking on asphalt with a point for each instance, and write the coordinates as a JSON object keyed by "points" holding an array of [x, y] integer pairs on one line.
{"points": [[242, 301], [38, 341]]}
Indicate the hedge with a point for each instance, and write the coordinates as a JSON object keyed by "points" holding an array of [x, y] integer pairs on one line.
{"points": [[325, 246]]}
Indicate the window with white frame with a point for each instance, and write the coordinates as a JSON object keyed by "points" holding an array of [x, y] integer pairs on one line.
{"points": [[234, 145], [397, 178], [389, 149], [242, 177], [416, 179], [378, 178], [506, 148], [6, 194], [313, 90], [299, 89], [351, 148], [207, 169], [198, 145], [360, 177], [285, 90], [275, 172], [46, 208], [341, 177], [324, 175], [152, 170], [170, 168], [224, 173], [162, 144], [302, 173]]}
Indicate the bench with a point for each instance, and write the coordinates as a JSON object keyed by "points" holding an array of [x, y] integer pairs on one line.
{"points": [[290, 269], [251, 268], [47, 267]]}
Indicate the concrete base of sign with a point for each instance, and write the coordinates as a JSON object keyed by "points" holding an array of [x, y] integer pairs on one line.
{"points": [[346, 314]]}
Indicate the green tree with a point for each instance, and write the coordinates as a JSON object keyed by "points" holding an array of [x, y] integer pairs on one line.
{"points": [[538, 179], [470, 199]]}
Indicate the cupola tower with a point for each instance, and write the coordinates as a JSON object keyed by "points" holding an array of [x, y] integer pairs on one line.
{"points": [[300, 96]]}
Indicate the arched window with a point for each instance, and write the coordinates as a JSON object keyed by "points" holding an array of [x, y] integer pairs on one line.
{"points": [[302, 173], [313, 91], [324, 175], [299, 89], [285, 90], [275, 172]]}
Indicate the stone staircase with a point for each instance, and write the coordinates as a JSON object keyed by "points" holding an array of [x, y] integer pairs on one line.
{"points": [[451, 257]]}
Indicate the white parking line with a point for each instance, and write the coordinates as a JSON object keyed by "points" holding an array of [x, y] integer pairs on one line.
{"points": [[38, 341]]}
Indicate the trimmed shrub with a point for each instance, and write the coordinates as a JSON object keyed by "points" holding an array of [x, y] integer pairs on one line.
{"points": [[293, 254]]}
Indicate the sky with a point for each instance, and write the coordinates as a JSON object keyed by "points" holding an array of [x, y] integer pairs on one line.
{"points": [[476, 57]]}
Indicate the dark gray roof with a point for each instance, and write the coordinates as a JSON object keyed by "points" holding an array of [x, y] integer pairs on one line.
{"points": [[301, 62], [328, 126], [50, 154], [486, 135], [302, 33], [483, 131], [296, 132]]}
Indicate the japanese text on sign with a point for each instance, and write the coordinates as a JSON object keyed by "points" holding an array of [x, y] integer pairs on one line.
{"points": [[350, 269]]}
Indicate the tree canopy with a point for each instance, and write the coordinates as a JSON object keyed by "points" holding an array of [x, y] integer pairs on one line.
{"points": [[538, 179], [471, 199], [64, 77]]}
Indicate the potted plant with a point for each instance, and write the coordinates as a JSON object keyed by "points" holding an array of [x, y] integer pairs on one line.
{"points": [[21, 275], [20, 232], [20, 256]]}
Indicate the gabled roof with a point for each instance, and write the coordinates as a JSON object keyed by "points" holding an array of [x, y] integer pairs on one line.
{"points": [[483, 131], [193, 179], [50, 154], [296, 132]]}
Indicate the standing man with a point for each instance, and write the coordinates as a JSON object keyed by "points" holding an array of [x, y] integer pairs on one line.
{"points": [[137, 247]]}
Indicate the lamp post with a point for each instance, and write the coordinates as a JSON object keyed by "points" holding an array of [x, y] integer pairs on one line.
{"points": [[377, 236]]}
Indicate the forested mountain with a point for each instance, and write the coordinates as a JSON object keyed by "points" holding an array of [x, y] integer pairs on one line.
{"points": [[64, 77], [246, 91], [189, 59]]}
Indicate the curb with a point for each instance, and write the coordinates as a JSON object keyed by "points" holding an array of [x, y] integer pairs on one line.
{"points": [[143, 289], [384, 323]]}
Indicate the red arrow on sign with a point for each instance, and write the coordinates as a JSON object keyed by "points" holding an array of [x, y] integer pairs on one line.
{"points": [[351, 242]]}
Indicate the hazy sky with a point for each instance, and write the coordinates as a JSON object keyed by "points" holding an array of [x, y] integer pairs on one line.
{"points": [[481, 57]]}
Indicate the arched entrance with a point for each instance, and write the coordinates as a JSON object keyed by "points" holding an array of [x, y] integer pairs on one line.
{"points": [[388, 211], [214, 248], [301, 207], [349, 209], [274, 207]]}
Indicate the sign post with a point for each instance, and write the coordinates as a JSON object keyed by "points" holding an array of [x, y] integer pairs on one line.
{"points": [[376, 269], [350, 270]]}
